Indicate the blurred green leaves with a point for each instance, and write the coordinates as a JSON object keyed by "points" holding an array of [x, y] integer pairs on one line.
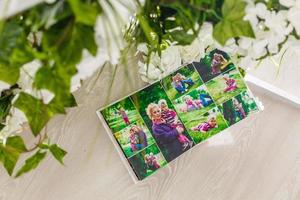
{"points": [[55, 35], [32, 162], [37, 113], [232, 25], [10, 152]]}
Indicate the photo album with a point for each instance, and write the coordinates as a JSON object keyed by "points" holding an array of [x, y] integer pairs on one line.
{"points": [[158, 123]]}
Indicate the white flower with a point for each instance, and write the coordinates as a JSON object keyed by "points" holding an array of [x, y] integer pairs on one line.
{"points": [[149, 73], [193, 52], [253, 11], [277, 23], [13, 124], [170, 59], [247, 63], [293, 14], [142, 47], [230, 47], [205, 35]]}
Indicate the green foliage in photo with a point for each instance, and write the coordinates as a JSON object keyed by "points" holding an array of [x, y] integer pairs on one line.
{"points": [[190, 73], [115, 115], [217, 86]]}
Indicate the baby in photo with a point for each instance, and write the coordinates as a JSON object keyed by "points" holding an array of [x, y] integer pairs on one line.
{"points": [[170, 117], [206, 126]]}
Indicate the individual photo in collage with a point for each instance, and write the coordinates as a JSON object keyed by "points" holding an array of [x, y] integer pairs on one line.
{"points": [[147, 161], [213, 64], [120, 115], [161, 118], [226, 86], [202, 127], [181, 82], [238, 107], [160, 122], [134, 138], [193, 104]]}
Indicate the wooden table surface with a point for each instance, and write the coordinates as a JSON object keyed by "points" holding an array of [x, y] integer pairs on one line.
{"points": [[258, 158]]}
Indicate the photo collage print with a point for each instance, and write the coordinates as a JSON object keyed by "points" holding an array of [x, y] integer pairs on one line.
{"points": [[160, 122]]}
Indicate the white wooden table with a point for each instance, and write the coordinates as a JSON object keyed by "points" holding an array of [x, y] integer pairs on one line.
{"points": [[258, 158]]}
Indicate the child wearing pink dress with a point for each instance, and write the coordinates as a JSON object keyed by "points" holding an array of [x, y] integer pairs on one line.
{"points": [[205, 126], [231, 84], [124, 116]]}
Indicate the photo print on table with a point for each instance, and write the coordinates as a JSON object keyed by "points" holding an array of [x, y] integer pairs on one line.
{"points": [[160, 122]]}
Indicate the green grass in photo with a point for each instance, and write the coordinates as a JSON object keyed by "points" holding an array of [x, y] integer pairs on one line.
{"points": [[124, 141], [199, 136], [217, 86], [188, 116], [114, 115], [181, 106], [187, 71]]}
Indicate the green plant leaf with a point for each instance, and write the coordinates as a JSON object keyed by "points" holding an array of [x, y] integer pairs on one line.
{"points": [[14, 51], [17, 143], [5, 104], [37, 113], [9, 74], [59, 82], [66, 40], [85, 13], [10, 152], [57, 152], [182, 37], [32, 162], [232, 25]]}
